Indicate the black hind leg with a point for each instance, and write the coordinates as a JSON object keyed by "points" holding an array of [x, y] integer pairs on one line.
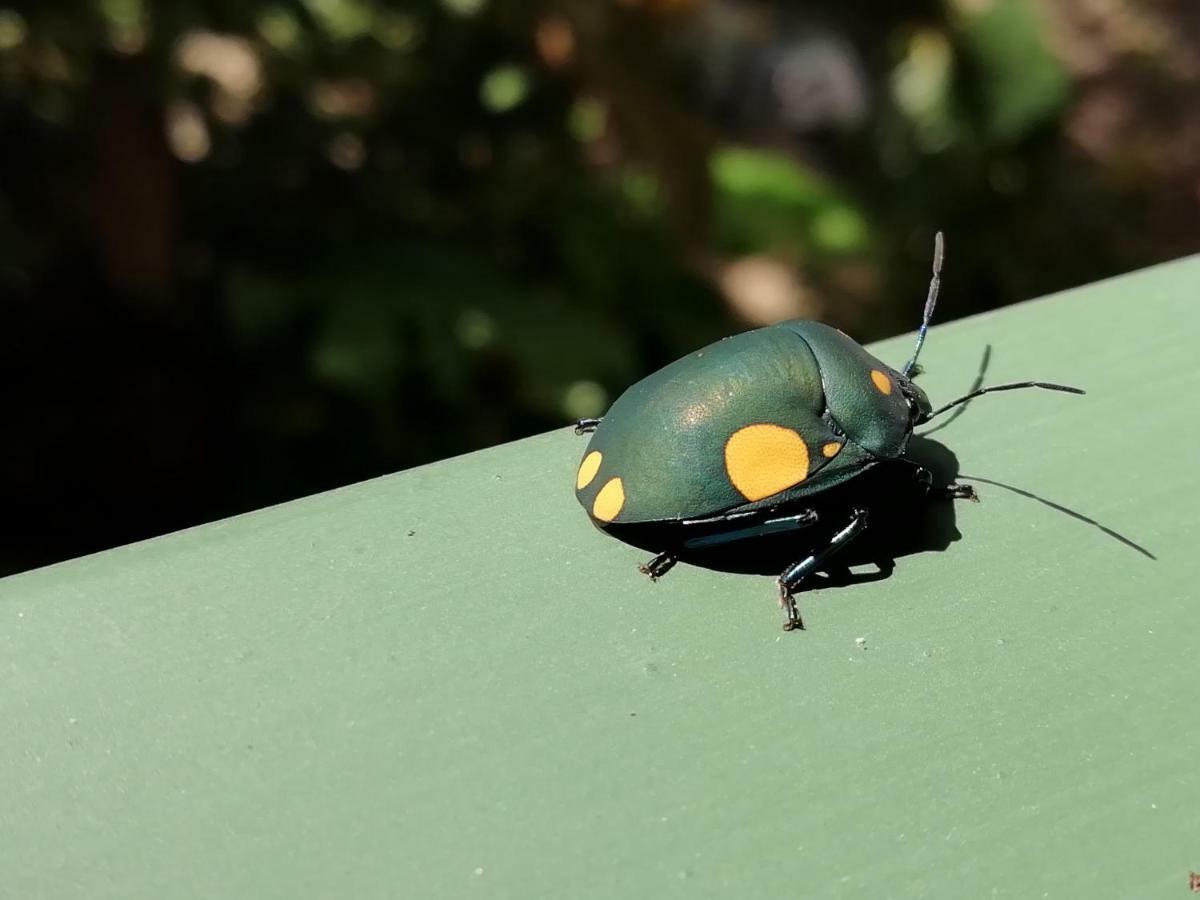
{"points": [[792, 577]]}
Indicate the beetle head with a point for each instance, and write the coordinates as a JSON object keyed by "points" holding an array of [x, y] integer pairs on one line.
{"points": [[919, 407]]}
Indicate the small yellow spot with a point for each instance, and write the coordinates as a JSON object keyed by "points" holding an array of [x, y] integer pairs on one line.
{"points": [[765, 459], [830, 450], [881, 381], [609, 501], [588, 469]]}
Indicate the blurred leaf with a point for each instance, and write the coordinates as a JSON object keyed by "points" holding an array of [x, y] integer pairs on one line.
{"points": [[643, 191], [770, 203], [279, 28], [588, 119], [13, 30], [504, 88], [771, 176], [921, 87], [343, 20], [839, 229], [1024, 84], [465, 8]]}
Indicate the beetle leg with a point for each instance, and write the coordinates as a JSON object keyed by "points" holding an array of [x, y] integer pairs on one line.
{"points": [[787, 603], [956, 492], [793, 576], [659, 566], [584, 426], [952, 491], [923, 477]]}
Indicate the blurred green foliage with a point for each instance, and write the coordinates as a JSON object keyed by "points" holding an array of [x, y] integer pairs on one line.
{"points": [[251, 250]]}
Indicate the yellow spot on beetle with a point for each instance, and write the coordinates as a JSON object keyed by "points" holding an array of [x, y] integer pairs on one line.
{"points": [[765, 459], [830, 450], [609, 501], [588, 469], [881, 381]]}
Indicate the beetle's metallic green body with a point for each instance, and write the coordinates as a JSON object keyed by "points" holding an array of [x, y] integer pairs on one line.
{"points": [[667, 437], [760, 434]]}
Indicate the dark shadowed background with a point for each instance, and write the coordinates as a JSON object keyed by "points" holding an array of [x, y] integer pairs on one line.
{"points": [[251, 250]]}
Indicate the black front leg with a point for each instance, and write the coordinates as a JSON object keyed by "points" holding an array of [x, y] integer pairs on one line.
{"points": [[923, 477], [954, 491], [793, 576]]}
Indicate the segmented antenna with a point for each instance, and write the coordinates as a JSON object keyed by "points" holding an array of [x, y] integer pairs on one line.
{"points": [[1044, 385], [939, 246]]}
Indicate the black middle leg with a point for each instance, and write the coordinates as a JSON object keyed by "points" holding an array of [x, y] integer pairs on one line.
{"points": [[793, 576], [659, 566]]}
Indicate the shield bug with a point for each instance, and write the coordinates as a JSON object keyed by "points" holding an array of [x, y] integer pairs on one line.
{"points": [[762, 433]]}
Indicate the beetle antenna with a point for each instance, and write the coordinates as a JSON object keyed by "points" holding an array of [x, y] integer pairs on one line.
{"points": [[1005, 387], [939, 246]]}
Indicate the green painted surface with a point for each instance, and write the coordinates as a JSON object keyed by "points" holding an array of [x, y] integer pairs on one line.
{"points": [[447, 683]]}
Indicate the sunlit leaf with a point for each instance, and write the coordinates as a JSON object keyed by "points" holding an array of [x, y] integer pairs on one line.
{"points": [[1024, 84], [588, 119], [13, 30], [768, 202], [342, 20], [504, 88], [279, 28], [465, 8]]}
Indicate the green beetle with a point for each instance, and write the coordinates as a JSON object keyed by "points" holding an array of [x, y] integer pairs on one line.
{"points": [[755, 435]]}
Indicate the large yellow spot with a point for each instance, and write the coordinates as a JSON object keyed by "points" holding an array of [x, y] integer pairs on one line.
{"points": [[830, 450], [881, 381], [588, 469], [609, 501], [765, 459]]}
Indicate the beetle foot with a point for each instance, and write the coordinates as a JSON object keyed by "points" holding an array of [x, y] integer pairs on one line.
{"points": [[958, 492], [659, 566], [586, 426]]}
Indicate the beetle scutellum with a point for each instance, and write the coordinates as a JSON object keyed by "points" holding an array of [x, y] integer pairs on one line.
{"points": [[749, 436]]}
